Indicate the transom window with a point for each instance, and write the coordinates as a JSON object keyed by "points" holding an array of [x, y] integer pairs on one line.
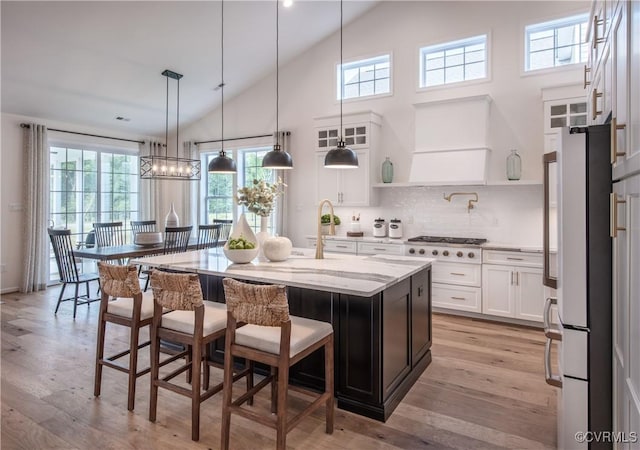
{"points": [[220, 190], [556, 43], [453, 62], [364, 78]]}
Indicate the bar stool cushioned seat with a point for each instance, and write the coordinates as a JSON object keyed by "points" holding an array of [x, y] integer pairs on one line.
{"points": [[124, 306], [304, 332], [215, 318]]}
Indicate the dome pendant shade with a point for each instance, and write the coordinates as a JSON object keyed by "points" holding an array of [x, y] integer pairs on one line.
{"points": [[341, 157], [277, 159], [222, 164]]}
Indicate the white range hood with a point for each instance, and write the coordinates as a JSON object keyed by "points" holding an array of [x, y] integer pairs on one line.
{"points": [[451, 145]]}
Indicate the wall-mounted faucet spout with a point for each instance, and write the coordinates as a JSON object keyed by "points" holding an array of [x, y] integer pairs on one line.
{"points": [[470, 204]]}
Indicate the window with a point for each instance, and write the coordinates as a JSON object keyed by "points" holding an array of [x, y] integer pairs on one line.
{"points": [[364, 78], [220, 189], [88, 186], [453, 62], [556, 43]]}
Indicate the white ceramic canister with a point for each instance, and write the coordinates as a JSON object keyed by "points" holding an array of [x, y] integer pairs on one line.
{"points": [[379, 228], [395, 229]]}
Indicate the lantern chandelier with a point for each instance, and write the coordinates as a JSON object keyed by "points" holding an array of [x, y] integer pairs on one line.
{"points": [[165, 167]]}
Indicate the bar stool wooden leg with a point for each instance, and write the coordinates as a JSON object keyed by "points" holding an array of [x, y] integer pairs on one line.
{"points": [[274, 390], [133, 360], [155, 370], [227, 394], [102, 325], [283, 383], [328, 382], [196, 364]]}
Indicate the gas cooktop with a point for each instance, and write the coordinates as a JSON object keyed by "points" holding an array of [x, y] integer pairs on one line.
{"points": [[447, 240]]}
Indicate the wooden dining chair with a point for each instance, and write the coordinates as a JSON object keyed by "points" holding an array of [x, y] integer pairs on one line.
{"points": [[271, 336], [194, 323], [142, 226], [109, 234], [208, 235], [226, 227], [131, 308], [68, 270]]}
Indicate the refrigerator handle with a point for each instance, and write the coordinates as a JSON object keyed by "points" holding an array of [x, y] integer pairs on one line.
{"points": [[546, 315], [553, 380]]}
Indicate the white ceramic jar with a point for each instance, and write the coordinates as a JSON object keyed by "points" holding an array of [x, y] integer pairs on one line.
{"points": [[379, 228], [395, 229]]}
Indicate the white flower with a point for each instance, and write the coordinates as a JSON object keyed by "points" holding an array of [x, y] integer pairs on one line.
{"points": [[260, 198]]}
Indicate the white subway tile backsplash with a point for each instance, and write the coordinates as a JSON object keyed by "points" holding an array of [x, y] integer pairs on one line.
{"points": [[503, 214]]}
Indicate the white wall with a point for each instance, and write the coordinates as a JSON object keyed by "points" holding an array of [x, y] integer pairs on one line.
{"points": [[307, 90]]}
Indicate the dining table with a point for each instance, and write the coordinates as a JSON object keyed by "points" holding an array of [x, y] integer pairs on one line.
{"points": [[127, 251]]}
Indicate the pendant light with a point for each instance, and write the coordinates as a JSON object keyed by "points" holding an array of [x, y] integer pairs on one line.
{"points": [[222, 163], [341, 157], [277, 158], [168, 167]]}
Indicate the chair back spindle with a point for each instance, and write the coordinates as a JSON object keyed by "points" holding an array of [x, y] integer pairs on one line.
{"points": [[142, 226], [226, 227]]}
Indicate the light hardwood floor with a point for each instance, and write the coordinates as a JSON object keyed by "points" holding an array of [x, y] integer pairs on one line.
{"points": [[485, 389]]}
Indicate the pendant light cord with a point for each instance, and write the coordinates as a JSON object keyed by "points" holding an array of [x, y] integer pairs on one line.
{"points": [[222, 77], [166, 123], [341, 73], [177, 122], [277, 73]]}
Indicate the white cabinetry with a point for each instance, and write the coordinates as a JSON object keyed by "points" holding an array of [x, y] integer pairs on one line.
{"points": [[457, 286], [348, 187], [562, 107], [512, 285], [626, 307]]}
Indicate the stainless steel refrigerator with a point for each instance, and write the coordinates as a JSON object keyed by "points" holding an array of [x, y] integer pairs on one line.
{"points": [[576, 215]]}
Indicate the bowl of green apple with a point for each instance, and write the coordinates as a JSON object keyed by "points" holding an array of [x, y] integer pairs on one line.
{"points": [[240, 250]]}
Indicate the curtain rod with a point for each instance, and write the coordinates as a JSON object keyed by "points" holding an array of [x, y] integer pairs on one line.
{"points": [[26, 125], [286, 133]]}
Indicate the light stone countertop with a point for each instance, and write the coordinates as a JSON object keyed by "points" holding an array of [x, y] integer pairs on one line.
{"points": [[339, 273]]}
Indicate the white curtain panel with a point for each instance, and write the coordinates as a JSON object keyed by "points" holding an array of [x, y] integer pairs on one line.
{"points": [[191, 190], [150, 192], [36, 203]]}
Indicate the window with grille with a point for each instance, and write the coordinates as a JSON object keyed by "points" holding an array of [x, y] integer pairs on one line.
{"points": [[556, 43], [454, 62], [88, 186], [364, 78], [220, 189]]}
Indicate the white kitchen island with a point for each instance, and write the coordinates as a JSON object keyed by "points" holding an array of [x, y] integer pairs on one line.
{"points": [[379, 306]]}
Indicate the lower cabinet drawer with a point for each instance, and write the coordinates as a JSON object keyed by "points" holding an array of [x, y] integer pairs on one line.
{"points": [[457, 297], [371, 248], [461, 274], [336, 246]]}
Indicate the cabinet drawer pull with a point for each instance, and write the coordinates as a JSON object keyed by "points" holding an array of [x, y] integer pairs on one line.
{"points": [[514, 259], [459, 298], [594, 103], [613, 220], [586, 83], [380, 249], [458, 274], [341, 246], [553, 380], [511, 278], [614, 139]]}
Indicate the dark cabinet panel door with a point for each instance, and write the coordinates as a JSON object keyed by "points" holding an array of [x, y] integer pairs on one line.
{"points": [[396, 336], [421, 315]]}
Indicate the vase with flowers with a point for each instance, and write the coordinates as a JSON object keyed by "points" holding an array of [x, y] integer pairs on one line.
{"points": [[260, 198]]}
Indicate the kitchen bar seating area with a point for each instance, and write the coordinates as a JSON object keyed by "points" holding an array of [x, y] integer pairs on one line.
{"points": [[284, 225]]}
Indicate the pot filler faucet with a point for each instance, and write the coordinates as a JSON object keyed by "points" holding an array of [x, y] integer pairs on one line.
{"points": [[332, 227], [470, 205]]}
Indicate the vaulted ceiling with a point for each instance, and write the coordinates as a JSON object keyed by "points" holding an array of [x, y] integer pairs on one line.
{"points": [[89, 62]]}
